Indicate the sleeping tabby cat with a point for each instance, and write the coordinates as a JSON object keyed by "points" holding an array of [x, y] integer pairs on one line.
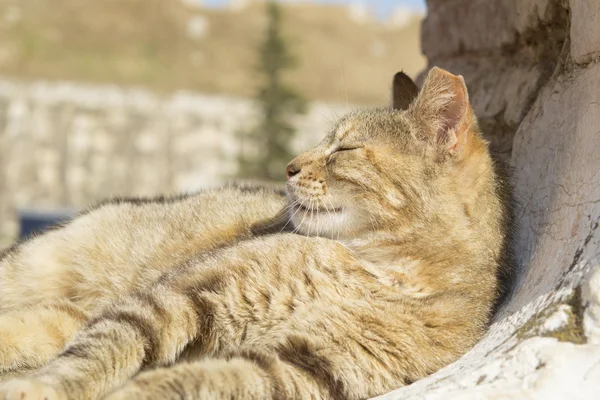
{"points": [[399, 229]]}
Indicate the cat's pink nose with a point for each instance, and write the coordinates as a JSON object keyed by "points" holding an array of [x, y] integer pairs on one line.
{"points": [[291, 170]]}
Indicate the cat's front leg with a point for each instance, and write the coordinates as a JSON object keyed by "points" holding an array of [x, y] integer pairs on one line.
{"points": [[26, 389], [244, 376], [148, 328], [31, 337]]}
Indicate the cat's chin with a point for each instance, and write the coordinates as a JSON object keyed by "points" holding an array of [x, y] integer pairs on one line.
{"points": [[328, 222]]}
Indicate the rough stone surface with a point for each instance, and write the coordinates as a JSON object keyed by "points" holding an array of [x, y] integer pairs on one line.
{"points": [[464, 26], [585, 34], [558, 180], [505, 49], [544, 343]]}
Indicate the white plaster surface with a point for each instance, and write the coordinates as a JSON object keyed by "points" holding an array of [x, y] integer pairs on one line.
{"points": [[585, 34], [591, 299]]}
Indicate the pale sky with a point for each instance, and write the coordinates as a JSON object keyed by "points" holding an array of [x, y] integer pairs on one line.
{"points": [[381, 6]]}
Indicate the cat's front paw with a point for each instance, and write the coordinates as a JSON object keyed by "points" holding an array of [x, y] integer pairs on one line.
{"points": [[28, 389]]}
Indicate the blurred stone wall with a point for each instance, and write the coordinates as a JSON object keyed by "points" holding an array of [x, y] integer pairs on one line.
{"points": [[66, 145]]}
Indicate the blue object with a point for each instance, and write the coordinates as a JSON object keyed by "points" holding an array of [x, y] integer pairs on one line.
{"points": [[35, 222]]}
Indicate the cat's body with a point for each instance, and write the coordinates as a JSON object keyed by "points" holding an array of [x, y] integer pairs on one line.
{"points": [[52, 284], [401, 281]]}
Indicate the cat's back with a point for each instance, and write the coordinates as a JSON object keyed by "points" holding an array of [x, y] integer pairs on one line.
{"points": [[124, 244]]}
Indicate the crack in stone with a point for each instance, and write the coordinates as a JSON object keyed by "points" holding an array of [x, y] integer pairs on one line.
{"points": [[586, 241]]}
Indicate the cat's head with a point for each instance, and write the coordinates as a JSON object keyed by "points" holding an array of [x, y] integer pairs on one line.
{"points": [[422, 159]]}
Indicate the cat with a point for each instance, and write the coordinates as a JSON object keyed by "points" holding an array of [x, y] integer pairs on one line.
{"points": [[391, 271], [52, 284]]}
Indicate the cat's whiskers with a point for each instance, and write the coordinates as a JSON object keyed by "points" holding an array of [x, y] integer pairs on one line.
{"points": [[333, 111], [303, 216], [331, 220], [326, 223], [329, 121], [311, 205], [332, 210], [308, 231], [289, 208], [345, 228], [296, 226], [317, 227], [285, 212], [284, 215], [308, 213]]}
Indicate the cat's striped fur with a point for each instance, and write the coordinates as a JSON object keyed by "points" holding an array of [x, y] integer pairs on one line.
{"points": [[400, 282], [50, 285]]}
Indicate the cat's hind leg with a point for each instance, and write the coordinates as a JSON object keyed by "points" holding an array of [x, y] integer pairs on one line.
{"points": [[150, 328], [31, 337]]}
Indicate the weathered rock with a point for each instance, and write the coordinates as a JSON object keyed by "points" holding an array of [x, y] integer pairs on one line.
{"points": [[464, 27], [557, 171], [506, 50], [585, 34]]}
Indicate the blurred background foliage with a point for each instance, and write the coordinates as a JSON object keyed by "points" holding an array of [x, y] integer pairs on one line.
{"points": [[277, 102]]}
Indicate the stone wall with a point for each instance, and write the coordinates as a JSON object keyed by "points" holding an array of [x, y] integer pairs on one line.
{"points": [[533, 72], [505, 49], [65, 145]]}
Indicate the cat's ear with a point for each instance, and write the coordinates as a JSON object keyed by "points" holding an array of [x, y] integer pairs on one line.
{"points": [[404, 91], [443, 104]]}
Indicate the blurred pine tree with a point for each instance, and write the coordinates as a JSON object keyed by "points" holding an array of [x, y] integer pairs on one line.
{"points": [[266, 148]]}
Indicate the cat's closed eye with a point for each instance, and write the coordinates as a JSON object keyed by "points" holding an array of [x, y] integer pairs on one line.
{"points": [[341, 150], [348, 148]]}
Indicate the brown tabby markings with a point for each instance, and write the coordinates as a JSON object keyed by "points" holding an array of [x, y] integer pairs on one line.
{"points": [[50, 285], [400, 282]]}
